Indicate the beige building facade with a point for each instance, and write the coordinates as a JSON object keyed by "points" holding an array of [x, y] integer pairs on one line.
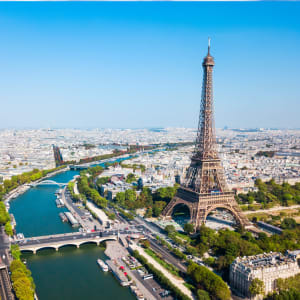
{"points": [[267, 267]]}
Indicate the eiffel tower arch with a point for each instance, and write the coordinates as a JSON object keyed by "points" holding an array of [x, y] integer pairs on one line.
{"points": [[204, 187]]}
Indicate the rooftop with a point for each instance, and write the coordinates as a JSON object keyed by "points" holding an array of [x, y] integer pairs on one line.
{"points": [[264, 260]]}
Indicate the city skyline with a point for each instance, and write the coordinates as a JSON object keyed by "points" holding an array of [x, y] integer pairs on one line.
{"points": [[108, 186], [109, 65]]}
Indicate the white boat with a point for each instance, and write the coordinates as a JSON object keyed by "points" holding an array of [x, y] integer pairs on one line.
{"points": [[102, 265]]}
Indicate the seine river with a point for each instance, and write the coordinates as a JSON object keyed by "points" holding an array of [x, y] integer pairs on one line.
{"points": [[70, 273]]}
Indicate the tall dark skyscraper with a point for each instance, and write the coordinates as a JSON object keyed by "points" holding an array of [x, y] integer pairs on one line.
{"points": [[57, 156], [204, 187]]}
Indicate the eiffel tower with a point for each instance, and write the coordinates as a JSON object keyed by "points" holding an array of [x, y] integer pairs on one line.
{"points": [[204, 187]]}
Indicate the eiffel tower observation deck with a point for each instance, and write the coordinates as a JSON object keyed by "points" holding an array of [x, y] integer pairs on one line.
{"points": [[204, 187]]}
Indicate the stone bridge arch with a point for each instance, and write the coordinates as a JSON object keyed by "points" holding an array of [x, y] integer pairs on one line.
{"points": [[90, 242], [36, 249], [67, 245]]}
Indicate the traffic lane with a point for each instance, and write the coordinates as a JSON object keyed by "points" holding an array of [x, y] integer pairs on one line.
{"points": [[167, 255], [71, 203], [4, 256], [65, 238], [152, 286]]}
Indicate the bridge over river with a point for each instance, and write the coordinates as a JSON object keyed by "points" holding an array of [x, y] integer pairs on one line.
{"points": [[47, 182], [57, 241]]}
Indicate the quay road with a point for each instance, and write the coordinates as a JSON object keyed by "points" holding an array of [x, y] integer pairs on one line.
{"points": [[167, 256], [79, 214], [150, 231], [5, 284]]}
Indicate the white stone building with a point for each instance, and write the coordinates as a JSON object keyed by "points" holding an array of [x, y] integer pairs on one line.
{"points": [[267, 267]]}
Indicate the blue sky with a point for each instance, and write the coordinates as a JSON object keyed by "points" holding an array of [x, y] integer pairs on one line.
{"points": [[138, 64]]}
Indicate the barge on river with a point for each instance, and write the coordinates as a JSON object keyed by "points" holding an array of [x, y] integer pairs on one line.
{"points": [[102, 265]]}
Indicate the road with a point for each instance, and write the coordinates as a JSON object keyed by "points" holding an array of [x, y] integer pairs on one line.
{"points": [[5, 285], [151, 230], [65, 237], [4, 246], [151, 285], [167, 256], [88, 223]]}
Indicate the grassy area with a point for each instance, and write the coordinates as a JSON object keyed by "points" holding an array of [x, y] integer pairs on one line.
{"points": [[183, 236], [167, 266], [275, 217]]}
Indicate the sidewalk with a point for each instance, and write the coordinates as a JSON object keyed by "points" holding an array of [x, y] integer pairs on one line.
{"points": [[176, 281], [276, 208], [99, 212]]}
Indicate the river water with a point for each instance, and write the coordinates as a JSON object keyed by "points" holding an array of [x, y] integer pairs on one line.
{"points": [[70, 273]]}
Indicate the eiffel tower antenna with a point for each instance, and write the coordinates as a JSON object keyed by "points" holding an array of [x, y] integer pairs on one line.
{"points": [[204, 187], [209, 45]]}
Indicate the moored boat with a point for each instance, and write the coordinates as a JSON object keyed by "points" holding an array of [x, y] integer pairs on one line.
{"points": [[102, 265], [63, 217]]}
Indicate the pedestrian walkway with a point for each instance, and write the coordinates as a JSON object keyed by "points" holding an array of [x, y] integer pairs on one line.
{"points": [[276, 208], [179, 283], [76, 192]]}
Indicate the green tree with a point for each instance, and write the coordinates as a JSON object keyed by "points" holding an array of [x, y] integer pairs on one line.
{"points": [[23, 289], [102, 180], [130, 178], [120, 198], [130, 195], [288, 223], [8, 229], [170, 229], [4, 216], [211, 282], [158, 208], [148, 213], [202, 295], [15, 252], [257, 287], [188, 228]]}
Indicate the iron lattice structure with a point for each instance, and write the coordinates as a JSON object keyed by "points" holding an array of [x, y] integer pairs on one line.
{"points": [[204, 187]]}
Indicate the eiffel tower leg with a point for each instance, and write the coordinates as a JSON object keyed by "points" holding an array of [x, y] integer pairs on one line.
{"points": [[243, 220], [200, 218], [167, 212]]}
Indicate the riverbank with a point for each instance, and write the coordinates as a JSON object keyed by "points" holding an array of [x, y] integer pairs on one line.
{"points": [[21, 189], [116, 252]]}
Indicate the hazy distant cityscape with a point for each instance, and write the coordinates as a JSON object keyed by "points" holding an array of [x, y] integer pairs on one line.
{"points": [[23, 150]]}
